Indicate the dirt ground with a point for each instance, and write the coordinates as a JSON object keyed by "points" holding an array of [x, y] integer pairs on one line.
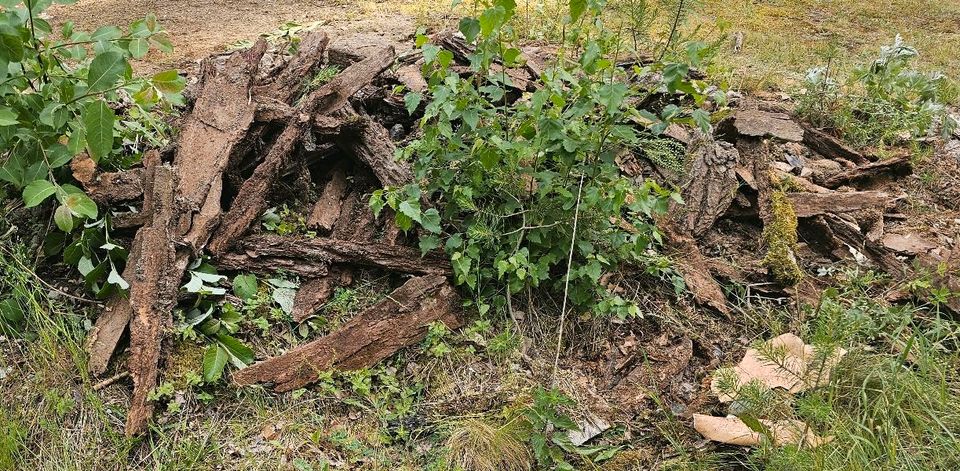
{"points": [[198, 29]]}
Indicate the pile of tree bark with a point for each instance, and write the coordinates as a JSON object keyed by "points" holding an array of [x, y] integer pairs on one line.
{"points": [[763, 173], [257, 133]]}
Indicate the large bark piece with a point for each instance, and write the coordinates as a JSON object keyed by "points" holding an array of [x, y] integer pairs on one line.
{"points": [[327, 209], [831, 147], [694, 268], [326, 251], [400, 320], [107, 187], [372, 145], [313, 294], [157, 269], [711, 185], [892, 167], [807, 205], [289, 83]]}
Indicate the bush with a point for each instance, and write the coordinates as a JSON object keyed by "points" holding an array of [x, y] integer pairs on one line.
{"points": [[884, 103]]}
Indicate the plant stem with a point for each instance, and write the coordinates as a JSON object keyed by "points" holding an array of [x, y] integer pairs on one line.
{"points": [[566, 284]]}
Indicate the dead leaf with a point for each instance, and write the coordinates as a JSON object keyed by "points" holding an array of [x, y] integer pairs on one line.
{"points": [[733, 431], [796, 369]]}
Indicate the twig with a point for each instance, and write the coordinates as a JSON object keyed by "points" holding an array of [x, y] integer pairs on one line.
{"points": [[111, 380], [566, 283]]}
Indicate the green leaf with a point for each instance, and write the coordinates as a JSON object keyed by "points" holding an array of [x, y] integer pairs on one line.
{"points": [[98, 121], [470, 28], [577, 7], [240, 354], [284, 298], [245, 286], [37, 191], [11, 44], [8, 117], [168, 81], [430, 220], [138, 47], [81, 205], [63, 218], [116, 279], [105, 70], [214, 360], [410, 210], [54, 115], [412, 101]]}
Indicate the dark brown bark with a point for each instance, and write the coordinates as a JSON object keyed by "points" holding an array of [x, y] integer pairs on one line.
{"points": [[376, 333], [268, 265], [830, 147], [327, 209], [313, 294], [807, 205], [892, 167], [694, 268], [326, 251], [107, 187], [251, 200], [371, 144], [848, 232]]}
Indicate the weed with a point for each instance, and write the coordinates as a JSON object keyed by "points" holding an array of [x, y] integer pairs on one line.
{"points": [[478, 444]]}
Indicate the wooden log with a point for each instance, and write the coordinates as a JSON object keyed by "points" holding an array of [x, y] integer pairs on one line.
{"points": [[107, 187], [807, 205], [251, 199], [267, 265], [400, 320], [830, 147], [372, 145], [329, 251], [892, 167], [287, 85]]}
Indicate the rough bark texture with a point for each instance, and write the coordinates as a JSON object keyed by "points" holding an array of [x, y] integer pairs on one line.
{"points": [[313, 294], [888, 168], [153, 295], [327, 209], [107, 187], [711, 184], [288, 84], [372, 145], [848, 232], [813, 204], [695, 269], [376, 333], [830, 147], [327, 251]]}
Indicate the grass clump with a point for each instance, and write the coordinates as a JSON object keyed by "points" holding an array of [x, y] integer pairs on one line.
{"points": [[479, 444]]}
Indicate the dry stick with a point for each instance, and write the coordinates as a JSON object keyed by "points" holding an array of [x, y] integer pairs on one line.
{"points": [[566, 284], [111, 380]]}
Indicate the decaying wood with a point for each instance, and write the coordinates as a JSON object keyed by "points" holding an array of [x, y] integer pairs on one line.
{"points": [[764, 124], [328, 251], [711, 185], [376, 333], [892, 167], [807, 205], [157, 269], [265, 265], [326, 211], [694, 268], [830, 147], [287, 85], [849, 233], [107, 187], [372, 145], [251, 200], [313, 294]]}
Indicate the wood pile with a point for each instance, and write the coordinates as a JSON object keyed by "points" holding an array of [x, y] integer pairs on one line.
{"points": [[255, 134]]}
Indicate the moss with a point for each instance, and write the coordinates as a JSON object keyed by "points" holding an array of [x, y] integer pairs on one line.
{"points": [[184, 365], [780, 237]]}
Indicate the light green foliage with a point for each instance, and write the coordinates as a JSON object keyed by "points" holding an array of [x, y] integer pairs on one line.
{"points": [[510, 177], [285, 221], [886, 102]]}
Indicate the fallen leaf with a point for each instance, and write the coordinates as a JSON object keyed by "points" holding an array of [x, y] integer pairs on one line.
{"points": [[733, 431], [590, 427], [797, 371]]}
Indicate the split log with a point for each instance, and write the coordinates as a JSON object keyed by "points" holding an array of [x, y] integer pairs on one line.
{"points": [[807, 205], [251, 200], [892, 167], [711, 185], [400, 320], [326, 251], [830, 147], [327, 209]]}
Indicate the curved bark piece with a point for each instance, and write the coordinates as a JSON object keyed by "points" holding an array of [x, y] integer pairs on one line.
{"points": [[289, 83], [372, 145], [327, 209], [892, 167], [711, 185], [400, 320]]}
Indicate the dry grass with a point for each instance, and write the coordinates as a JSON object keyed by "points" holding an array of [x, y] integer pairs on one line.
{"points": [[478, 444]]}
